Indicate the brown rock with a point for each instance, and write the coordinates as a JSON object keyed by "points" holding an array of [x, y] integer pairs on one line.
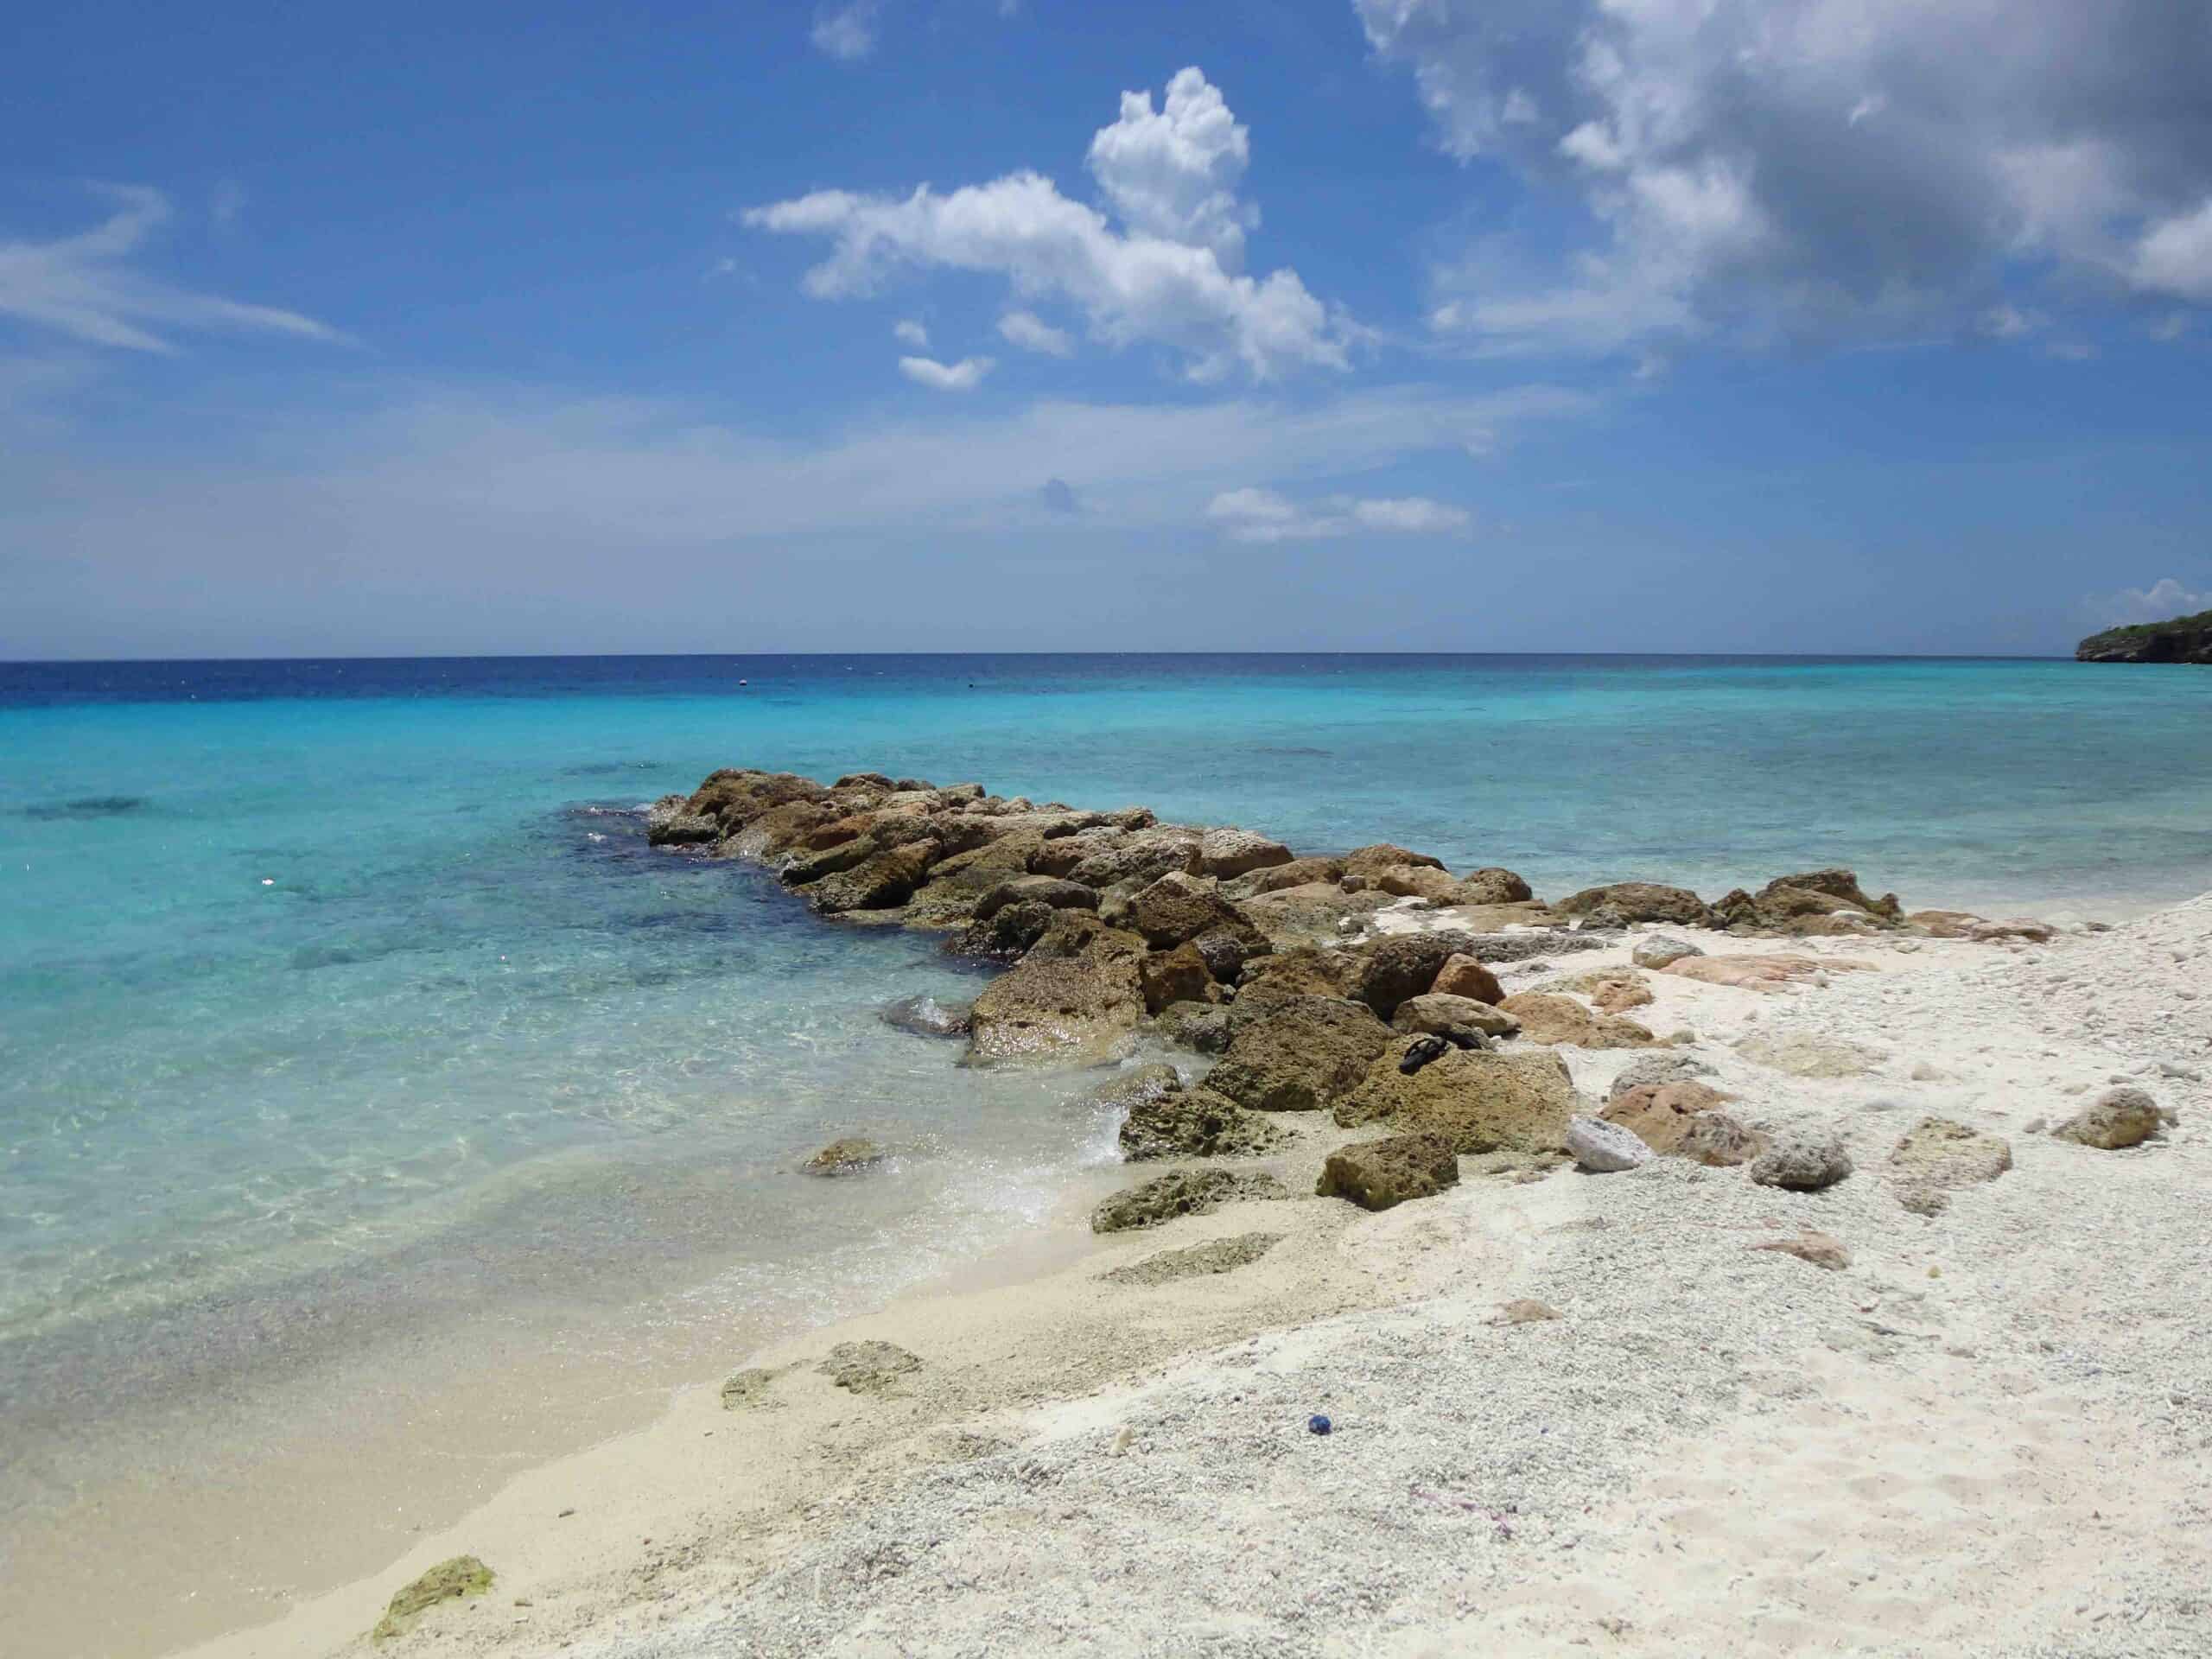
{"points": [[868, 1367], [1299, 1055], [1621, 903], [1527, 1310], [1680, 1120], [1417, 881], [1938, 1156], [1371, 862], [1177, 908], [1405, 964], [1480, 1101], [887, 880], [1446, 1016], [1492, 886], [847, 1156], [1177, 975], [1181, 1192], [1195, 1261], [1772, 973], [1308, 914], [1462, 975], [1298, 872], [1547, 1018], [1193, 1123], [1377, 1174], [1076, 998], [2116, 1119], [1302, 971], [1227, 852]]}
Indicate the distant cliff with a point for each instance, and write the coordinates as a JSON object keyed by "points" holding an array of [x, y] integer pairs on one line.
{"points": [[2183, 640]]}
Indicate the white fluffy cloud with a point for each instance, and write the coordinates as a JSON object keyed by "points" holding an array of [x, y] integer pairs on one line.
{"points": [[1032, 333], [1168, 274], [83, 286], [1818, 166], [910, 333], [2163, 599], [1257, 515], [965, 376], [847, 31]]}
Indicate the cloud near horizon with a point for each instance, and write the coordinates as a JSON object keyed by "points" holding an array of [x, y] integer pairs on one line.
{"points": [[1841, 168], [1171, 274], [1263, 516], [2163, 599], [83, 287]]}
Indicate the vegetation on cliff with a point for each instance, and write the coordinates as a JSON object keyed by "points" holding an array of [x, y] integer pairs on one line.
{"points": [[2180, 639]]}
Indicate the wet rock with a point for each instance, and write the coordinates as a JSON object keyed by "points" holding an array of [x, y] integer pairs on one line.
{"points": [[1378, 1174], [1215, 1255], [1133, 1086], [1201, 1026], [1299, 1055], [1193, 1123], [868, 1367], [847, 1156], [1802, 1161], [1480, 1101], [1648, 1070], [1462, 975], [1622, 903], [1937, 1156], [1226, 852], [2117, 1118], [1177, 975], [1803, 1055], [926, 1016], [1551, 1019], [1819, 1249], [1178, 908], [1659, 950], [1452, 1018], [669, 823], [1075, 998], [878, 883], [1182, 1192], [453, 1581], [1049, 891]]}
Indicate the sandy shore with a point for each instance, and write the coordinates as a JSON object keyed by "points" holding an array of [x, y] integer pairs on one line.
{"points": [[1988, 1433]]}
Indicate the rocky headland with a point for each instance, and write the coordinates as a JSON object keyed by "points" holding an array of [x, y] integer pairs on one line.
{"points": [[2179, 639]]}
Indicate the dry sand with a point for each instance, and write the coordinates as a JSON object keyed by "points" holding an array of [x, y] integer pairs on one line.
{"points": [[1992, 1433]]}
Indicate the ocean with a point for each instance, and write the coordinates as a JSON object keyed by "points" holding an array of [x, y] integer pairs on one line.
{"points": [[368, 1088]]}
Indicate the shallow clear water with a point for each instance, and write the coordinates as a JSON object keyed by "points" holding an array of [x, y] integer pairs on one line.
{"points": [[353, 987]]}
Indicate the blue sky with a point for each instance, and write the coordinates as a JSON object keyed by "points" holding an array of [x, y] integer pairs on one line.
{"points": [[1816, 324]]}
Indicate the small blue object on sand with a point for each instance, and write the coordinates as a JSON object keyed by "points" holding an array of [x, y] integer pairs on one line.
{"points": [[1317, 1423]]}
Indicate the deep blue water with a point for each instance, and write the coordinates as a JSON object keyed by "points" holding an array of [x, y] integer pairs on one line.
{"points": [[310, 969]]}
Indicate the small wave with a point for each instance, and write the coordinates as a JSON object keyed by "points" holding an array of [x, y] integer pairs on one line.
{"points": [[89, 806]]}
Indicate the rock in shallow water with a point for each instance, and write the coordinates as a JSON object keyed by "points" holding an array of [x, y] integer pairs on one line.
{"points": [[847, 1156], [926, 1016]]}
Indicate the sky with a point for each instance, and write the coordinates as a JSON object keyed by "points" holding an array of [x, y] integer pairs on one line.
{"points": [[884, 325]]}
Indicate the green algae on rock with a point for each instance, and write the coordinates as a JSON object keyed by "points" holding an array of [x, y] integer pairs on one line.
{"points": [[454, 1581]]}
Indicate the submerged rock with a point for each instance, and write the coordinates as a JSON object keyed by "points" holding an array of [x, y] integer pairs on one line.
{"points": [[1181, 1192], [1378, 1174], [1215, 1255], [848, 1156], [868, 1367], [453, 1581], [926, 1016]]}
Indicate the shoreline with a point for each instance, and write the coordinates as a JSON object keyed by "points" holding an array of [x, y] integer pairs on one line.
{"points": [[601, 1578]]}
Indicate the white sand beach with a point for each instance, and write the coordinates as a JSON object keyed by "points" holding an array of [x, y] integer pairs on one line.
{"points": [[1987, 1434]]}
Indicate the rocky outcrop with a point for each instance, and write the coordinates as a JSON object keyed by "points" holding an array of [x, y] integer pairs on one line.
{"points": [[1480, 1101], [1193, 1123], [1227, 852], [1378, 1174], [1815, 903], [2182, 639], [1623, 902], [1301, 1054], [1178, 908], [1075, 998], [1181, 1192]]}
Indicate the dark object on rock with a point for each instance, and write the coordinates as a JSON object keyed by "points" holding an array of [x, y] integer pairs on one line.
{"points": [[1196, 1261], [1379, 1174], [462, 1576], [1460, 1020], [847, 1156], [2179, 639], [1181, 1192], [1193, 1123], [868, 1367], [1421, 1050], [926, 1016], [1316, 1423]]}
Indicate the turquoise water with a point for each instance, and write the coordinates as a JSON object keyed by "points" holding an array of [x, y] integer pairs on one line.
{"points": [[352, 986]]}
